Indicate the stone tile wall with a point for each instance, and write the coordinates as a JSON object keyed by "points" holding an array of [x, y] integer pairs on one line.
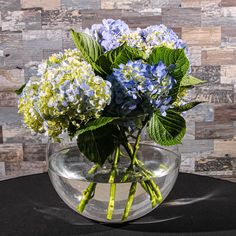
{"points": [[32, 30]]}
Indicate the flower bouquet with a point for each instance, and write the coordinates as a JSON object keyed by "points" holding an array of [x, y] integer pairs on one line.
{"points": [[117, 83]]}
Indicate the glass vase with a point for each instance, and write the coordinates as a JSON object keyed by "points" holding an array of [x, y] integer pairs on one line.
{"points": [[71, 174]]}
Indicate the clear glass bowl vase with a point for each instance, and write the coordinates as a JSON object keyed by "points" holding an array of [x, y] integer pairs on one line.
{"points": [[70, 174]]}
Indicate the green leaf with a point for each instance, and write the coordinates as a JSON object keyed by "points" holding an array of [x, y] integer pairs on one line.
{"points": [[167, 130], [186, 107], [20, 90], [90, 49], [88, 46], [170, 57], [97, 145], [120, 55], [190, 80], [95, 124]]}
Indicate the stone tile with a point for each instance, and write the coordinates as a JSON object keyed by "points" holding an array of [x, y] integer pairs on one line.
{"points": [[45, 4], [12, 133], [211, 74], [11, 152], [81, 4], [222, 164], [2, 169], [21, 20], [228, 36], [228, 3], [180, 17], [90, 17], [214, 130], [202, 112], [10, 40], [25, 168], [11, 80], [8, 99], [1, 135], [9, 115], [139, 5], [202, 36], [34, 152], [228, 74], [61, 19], [20, 57], [191, 3], [190, 132], [210, 3], [215, 93], [10, 5], [195, 55], [219, 56], [225, 113], [218, 16], [67, 41], [42, 39], [133, 19], [187, 163], [196, 146], [225, 147]]}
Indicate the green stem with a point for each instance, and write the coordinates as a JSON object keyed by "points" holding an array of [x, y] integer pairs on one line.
{"points": [[129, 201], [87, 195], [111, 203], [136, 147], [156, 191], [93, 169], [151, 194]]}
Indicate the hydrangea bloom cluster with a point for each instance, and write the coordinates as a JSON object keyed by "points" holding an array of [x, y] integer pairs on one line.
{"points": [[112, 33], [137, 86], [109, 32], [66, 92]]}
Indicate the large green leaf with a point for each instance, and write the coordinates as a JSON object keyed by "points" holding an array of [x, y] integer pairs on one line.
{"points": [[90, 49], [120, 55], [186, 106], [95, 124], [97, 145], [167, 130], [170, 57], [88, 46], [190, 80]]}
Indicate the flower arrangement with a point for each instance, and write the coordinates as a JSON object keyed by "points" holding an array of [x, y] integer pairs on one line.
{"points": [[104, 93]]}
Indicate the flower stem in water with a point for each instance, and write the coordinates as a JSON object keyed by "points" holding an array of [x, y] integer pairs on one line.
{"points": [[129, 201], [111, 203], [87, 195]]}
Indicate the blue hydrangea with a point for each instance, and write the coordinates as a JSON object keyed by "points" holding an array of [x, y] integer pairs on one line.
{"points": [[138, 87], [109, 32], [160, 35]]}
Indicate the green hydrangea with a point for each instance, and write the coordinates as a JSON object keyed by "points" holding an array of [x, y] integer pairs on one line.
{"points": [[66, 92]]}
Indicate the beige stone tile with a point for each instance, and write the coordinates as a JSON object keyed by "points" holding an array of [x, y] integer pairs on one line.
{"points": [[202, 36], [225, 147], [11, 152], [228, 74], [218, 56], [11, 79], [45, 4]]}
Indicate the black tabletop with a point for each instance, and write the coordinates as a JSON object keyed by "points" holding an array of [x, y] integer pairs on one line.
{"points": [[196, 206]]}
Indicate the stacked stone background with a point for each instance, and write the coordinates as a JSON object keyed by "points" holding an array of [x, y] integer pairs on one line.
{"points": [[32, 30]]}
